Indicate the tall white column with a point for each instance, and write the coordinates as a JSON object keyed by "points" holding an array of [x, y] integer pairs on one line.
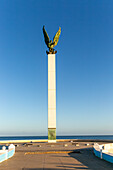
{"points": [[51, 98]]}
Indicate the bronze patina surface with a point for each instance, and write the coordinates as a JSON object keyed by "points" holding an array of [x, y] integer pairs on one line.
{"points": [[51, 44]]}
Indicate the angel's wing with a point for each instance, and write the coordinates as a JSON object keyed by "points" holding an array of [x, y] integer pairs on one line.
{"points": [[46, 37], [56, 37]]}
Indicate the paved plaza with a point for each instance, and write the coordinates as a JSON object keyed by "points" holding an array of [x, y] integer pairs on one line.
{"points": [[67, 156]]}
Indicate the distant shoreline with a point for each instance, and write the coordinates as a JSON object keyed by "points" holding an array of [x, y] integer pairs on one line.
{"points": [[58, 140]]}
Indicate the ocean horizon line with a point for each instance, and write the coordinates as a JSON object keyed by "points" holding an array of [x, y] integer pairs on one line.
{"points": [[102, 137]]}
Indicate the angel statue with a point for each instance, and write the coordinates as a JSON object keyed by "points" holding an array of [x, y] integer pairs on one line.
{"points": [[49, 42]]}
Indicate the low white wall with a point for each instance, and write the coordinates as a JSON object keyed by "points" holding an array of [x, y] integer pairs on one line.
{"points": [[5, 154], [103, 151], [108, 147]]}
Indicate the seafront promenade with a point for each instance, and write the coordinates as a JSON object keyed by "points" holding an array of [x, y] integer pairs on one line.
{"points": [[61, 155]]}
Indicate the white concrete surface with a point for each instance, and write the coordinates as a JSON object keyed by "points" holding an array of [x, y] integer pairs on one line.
{"points": [[51, 91]]}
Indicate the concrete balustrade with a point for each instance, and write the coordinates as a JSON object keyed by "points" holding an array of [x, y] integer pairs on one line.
{"points": [[6, 154], [104, 151]]}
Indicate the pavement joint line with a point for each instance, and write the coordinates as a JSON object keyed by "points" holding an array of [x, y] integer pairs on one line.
{"points": [[51, 152]]}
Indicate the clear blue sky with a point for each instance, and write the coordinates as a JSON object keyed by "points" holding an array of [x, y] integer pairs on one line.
{"points": [[84, 64]]}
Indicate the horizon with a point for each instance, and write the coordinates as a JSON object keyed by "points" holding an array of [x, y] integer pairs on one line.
{"points": [[56, 135]]}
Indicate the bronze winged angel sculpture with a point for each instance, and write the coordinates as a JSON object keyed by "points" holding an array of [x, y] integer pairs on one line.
{"points": [[51, 44]]}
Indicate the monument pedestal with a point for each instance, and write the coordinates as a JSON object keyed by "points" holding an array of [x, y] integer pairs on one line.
{"points": [[51, 98]]}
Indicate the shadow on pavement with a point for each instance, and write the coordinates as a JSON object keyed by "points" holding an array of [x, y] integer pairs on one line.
{"points": [[88, 159]]}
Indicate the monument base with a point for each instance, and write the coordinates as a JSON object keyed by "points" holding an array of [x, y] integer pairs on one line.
{"points": [[51, 141], [51, 134]]}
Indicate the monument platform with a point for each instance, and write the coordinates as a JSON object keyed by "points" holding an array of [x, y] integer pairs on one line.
{"points": [[61, 155]]}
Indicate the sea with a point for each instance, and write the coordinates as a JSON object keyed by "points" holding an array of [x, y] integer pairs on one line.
{"points": [[102, 137]]}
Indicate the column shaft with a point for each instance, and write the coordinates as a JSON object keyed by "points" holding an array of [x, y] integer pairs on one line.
{"points": [[51, 97]]}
